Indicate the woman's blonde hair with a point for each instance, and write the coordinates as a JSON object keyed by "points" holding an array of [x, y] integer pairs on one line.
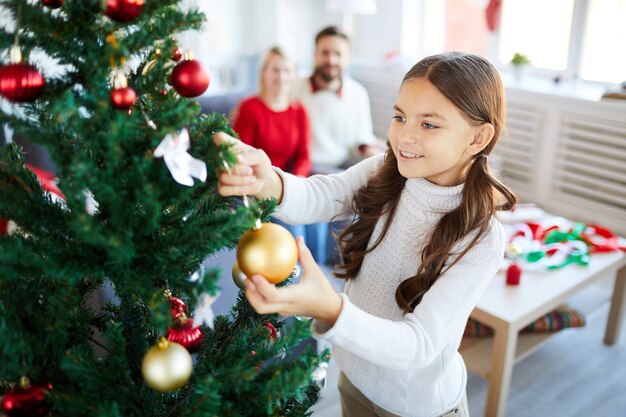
{"points": [[272, 52]]}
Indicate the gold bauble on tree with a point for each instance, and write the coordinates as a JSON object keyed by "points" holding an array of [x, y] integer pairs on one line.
{"points": [[238, 277], [269, 251], [166, 366]]}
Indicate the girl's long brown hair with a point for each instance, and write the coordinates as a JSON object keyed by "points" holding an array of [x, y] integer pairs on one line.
{"points": [[473, 85]]}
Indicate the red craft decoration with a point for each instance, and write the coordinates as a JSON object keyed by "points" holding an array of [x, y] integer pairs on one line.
{"points": [[123, 98], [123, 10], [47, 180], [272, 330], [185, 334], [189, 78], [53, 4], [21, 82], [29, 401], [48, 183], [607, 241], [492, 13], [513, 274]]}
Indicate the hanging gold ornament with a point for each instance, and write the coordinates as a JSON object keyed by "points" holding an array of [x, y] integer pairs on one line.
{"points": [[238, 277], [166, 366], [270, 251]]}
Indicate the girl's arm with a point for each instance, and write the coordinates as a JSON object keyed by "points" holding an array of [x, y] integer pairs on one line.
{"points": [[418, 338], [320, 198], [323, 198]]}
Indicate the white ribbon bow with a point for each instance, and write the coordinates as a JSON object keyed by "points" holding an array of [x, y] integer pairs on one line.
{"points": [[182, 166]]}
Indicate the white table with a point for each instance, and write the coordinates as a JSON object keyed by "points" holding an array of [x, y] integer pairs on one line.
{"points": [[508, 309]]}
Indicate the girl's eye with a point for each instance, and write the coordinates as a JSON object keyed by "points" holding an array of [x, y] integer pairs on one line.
{"points": [[397, 118], [429, 126]]}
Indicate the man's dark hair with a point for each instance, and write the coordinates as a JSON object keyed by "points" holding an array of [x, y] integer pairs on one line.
{"points": [[331, 31]]}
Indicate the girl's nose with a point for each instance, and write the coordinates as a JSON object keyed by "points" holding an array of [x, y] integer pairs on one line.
{"points": [[408, 134]]}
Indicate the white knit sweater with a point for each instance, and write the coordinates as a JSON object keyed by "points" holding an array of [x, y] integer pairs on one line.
{"points": [[407, 364], [339, 123]]}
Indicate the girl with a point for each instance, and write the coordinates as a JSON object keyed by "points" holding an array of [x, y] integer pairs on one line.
{"points": [[423, 245]]}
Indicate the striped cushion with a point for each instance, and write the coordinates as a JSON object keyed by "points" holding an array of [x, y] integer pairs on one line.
{"points": [[561, 318]]}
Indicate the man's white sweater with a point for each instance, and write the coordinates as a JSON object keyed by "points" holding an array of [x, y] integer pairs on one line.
{"points": [[409, 363], [339, 122]]}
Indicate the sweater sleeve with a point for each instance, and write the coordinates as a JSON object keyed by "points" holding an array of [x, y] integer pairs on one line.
{"points": [[246, 124], [322, 198], [302, 163], [440, 317]]}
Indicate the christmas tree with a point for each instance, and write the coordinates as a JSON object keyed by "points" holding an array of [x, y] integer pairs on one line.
{"points": [[134, 207]]}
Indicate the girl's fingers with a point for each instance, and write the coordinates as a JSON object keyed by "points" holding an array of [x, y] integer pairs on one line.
{"points": [[241, 170], [234, 190], [259, 300], [221, 137], [230, 179]]}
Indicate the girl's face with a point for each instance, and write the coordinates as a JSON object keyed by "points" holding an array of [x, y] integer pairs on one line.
{"points": [[277, 75], [429, 135]]}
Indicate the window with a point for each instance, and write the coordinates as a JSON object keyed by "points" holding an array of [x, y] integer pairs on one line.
{"points": [[537, 28], [579, 38], [572, 38], [603, 57]]}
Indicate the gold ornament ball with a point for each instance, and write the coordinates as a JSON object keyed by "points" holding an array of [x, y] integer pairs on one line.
{"points": [[270, 251], [166, 366], [238, 277]]}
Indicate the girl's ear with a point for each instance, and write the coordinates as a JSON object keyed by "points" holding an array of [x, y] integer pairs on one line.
{"points": [[483, 135]]}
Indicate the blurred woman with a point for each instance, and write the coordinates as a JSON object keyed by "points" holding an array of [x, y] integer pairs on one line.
{"points": [[271, 121]]}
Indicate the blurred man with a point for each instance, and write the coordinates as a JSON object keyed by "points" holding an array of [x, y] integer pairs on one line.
{"points": [[338, 106]]}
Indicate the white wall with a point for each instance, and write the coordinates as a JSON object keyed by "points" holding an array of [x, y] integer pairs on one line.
{"points": [[237, 32], [249, 27]]}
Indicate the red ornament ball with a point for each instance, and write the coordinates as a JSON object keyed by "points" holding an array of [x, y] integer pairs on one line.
{"points": [[53, 4], [30, 401], [21, 82], [123, 98], [189, 78], [513, 274], [123, 10], [177, 54], [184, 333]]}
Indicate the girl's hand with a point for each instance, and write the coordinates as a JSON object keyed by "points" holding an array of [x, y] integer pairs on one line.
{"points": [[253, 175], [313, 296]]}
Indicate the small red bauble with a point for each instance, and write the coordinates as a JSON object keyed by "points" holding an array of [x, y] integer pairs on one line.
{"points": [[177, 54], [178, 307], [123, 98], [186, 334], [513, 274], [123, 10], [21, 82], [53, 4], [29, 401], [189, 78]]}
